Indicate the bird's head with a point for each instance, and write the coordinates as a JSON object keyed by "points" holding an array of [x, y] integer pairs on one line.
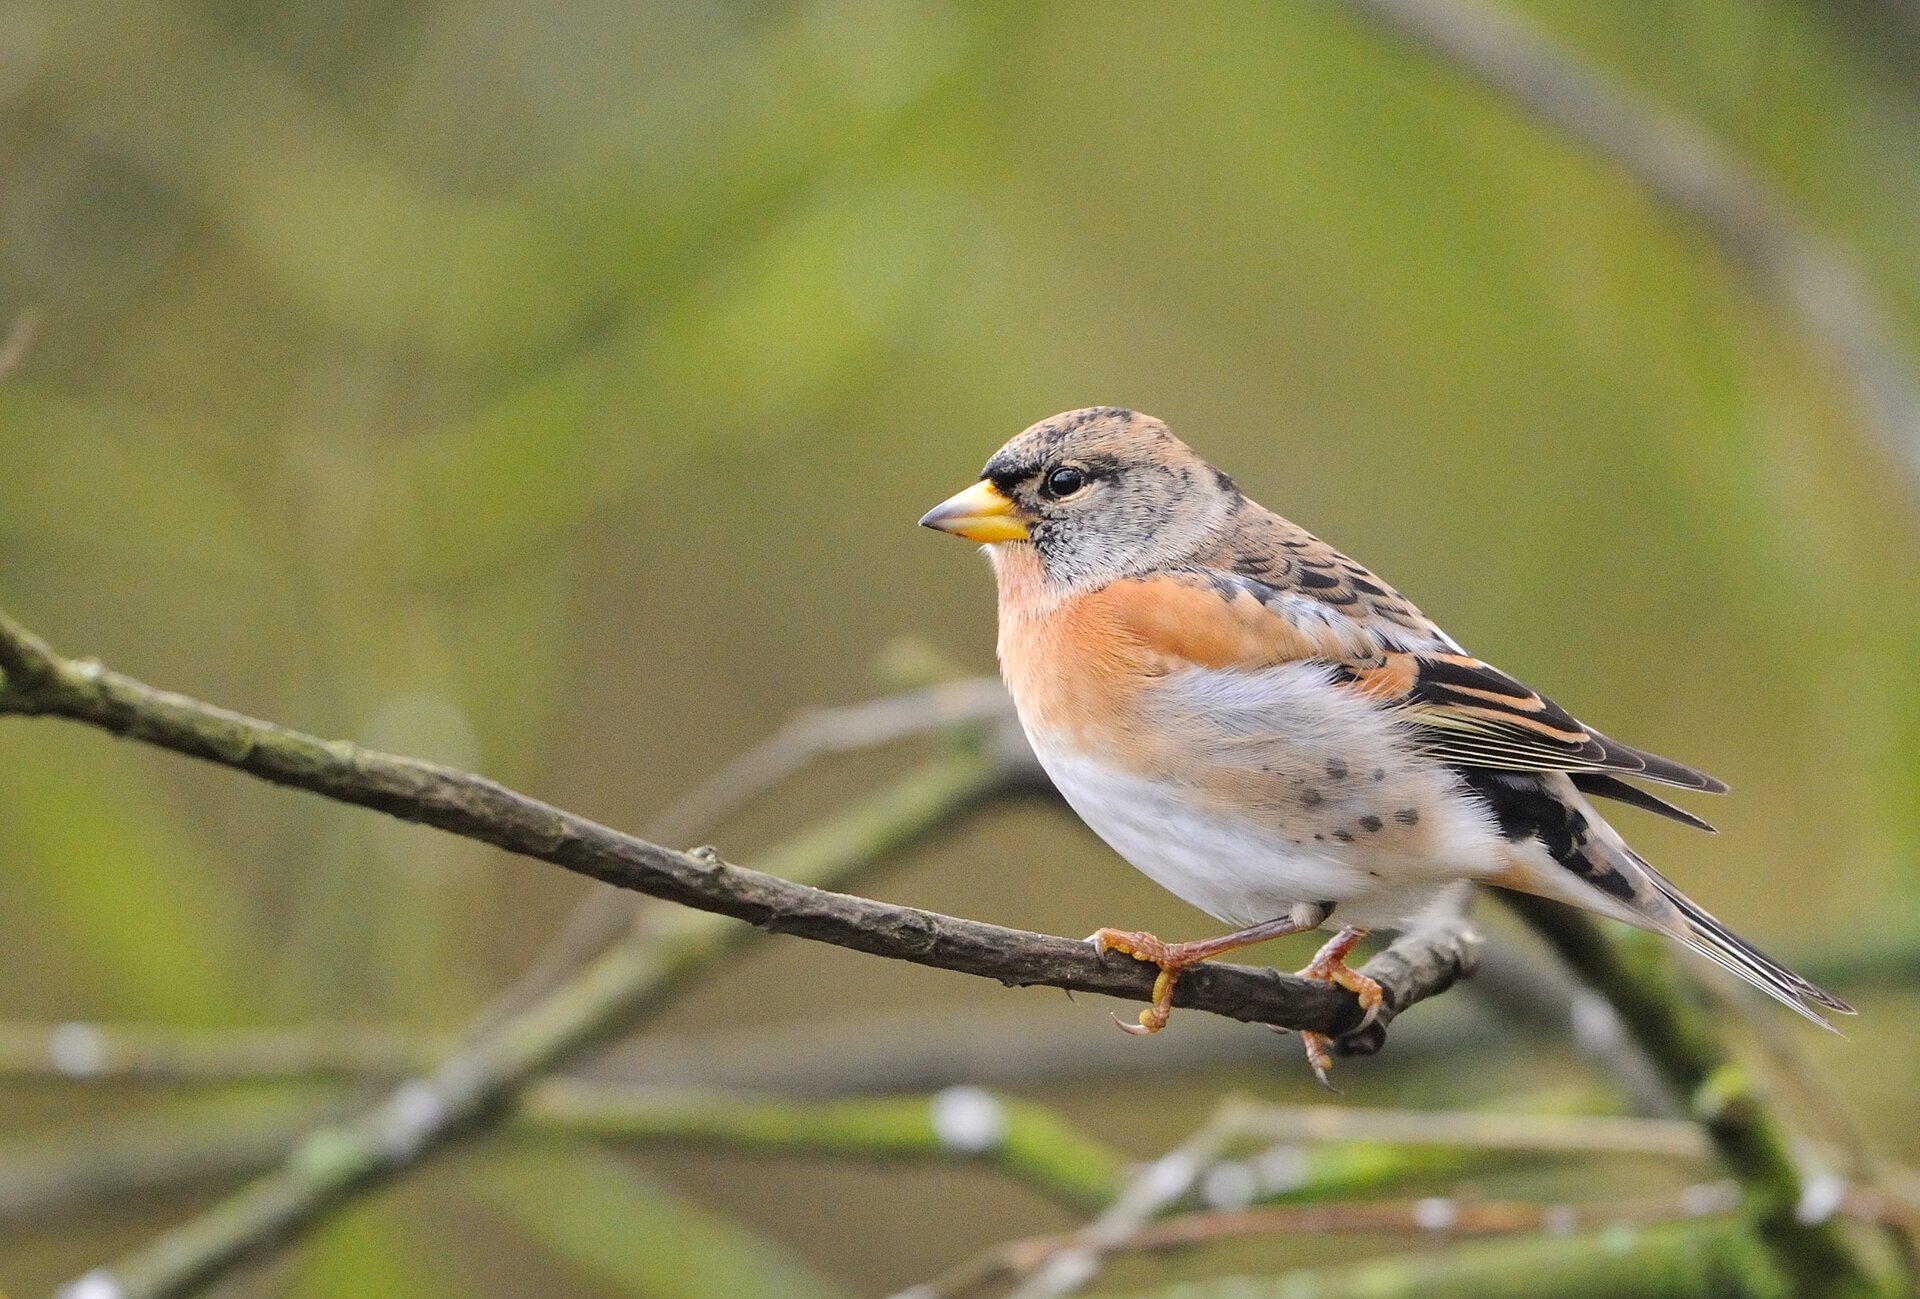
{"points": [[1093, 495]]}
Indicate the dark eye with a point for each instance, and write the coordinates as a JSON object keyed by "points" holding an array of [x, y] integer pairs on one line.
{"points": [[1065, 481]]}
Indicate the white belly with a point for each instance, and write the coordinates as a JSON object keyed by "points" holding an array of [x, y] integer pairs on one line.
{"points": [[1244, 872]]}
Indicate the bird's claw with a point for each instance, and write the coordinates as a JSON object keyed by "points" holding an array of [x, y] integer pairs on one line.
{"points": [[1320, 1057], [1144, 947], [1329, 965]]}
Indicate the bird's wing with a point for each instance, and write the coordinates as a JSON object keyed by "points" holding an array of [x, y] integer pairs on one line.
{"points": [[1474, 715], [1459, 709]]}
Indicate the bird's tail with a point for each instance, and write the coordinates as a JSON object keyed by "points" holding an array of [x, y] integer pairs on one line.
{"points": [[1596, 870], [1693, 925]]}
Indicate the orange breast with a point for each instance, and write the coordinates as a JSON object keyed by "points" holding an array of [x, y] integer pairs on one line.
{"points": [[1075, 670]]}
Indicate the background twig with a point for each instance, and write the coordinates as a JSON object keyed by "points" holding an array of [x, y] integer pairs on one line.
{"points": [[1692, 173], [1794, 1225]]}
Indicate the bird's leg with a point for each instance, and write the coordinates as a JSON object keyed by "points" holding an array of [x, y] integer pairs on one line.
{"points": [[1329, 965], [1174, 958]]}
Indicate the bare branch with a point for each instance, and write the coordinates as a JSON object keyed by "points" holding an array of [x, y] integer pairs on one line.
{"points": [[1793, 1213], [1670, 1261], [600, 918], [1433, 1218], [1068, 1263], [1155, 1189], [476, 1086], [1417, 967], [83, 1051], [473, 1086], [180, 1146]]}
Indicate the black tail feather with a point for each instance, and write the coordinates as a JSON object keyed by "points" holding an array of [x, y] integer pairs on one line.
{"points": [[1734, 953]]}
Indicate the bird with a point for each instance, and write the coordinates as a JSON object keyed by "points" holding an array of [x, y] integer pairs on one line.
{"points": [[1271, 732]]}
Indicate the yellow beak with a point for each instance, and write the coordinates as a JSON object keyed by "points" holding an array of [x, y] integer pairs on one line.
{"points": [[980, 513]]}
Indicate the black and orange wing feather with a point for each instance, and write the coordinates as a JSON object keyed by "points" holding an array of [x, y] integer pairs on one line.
{"points": [[1463, 711], [1472, 714]]}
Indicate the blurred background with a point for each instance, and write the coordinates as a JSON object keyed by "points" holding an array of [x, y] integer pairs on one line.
{"points": [[551, 389]]}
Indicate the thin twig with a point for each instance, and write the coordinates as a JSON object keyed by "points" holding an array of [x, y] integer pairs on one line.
{"points": [[1586, 1134], [602, 915], [477, 1085], [89, 1052], [1433, 1218], [1684, 1260], [1151, 1192], [1161, 1185], [1694, 174], [1793, 1211], [1026, 1140], [180, 1146], [944, 706]]}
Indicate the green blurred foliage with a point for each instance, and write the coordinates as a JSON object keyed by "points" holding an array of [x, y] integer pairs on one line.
{"points": [[552, 387]]}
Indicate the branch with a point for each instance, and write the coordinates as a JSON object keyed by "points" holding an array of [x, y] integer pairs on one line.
{"points": [[179, 1146], [598, 920], [472, 1087], [997, 1044], [38, 682], [1434, 1218], [83, 1051], [171, 1148], [1682, 1261], [1069, 1263], [1795, 1225], [1696, 175], [1028, 1141], [478, 1084]]}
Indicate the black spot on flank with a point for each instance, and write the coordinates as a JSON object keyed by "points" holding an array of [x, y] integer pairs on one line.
{"points": [[1336, 770], [1365, 587], [1311, 798], [1371, 824], [1344, 836], [1319, 838], [1408, 816], [1316, 580], [1227, 484], [1379, 773]]}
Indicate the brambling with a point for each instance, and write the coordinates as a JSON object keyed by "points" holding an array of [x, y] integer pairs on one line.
{"points": [[1271, 732]]}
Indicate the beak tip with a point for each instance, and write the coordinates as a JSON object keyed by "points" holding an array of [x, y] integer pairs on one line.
{"points": [[980, 513]]}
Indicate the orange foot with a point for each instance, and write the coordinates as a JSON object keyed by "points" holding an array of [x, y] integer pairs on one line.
{"points": [[1145, 947], [1174, 958], [1329, 965]]}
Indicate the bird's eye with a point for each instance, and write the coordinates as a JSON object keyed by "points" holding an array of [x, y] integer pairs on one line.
{"points": [[1065, 481]]}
